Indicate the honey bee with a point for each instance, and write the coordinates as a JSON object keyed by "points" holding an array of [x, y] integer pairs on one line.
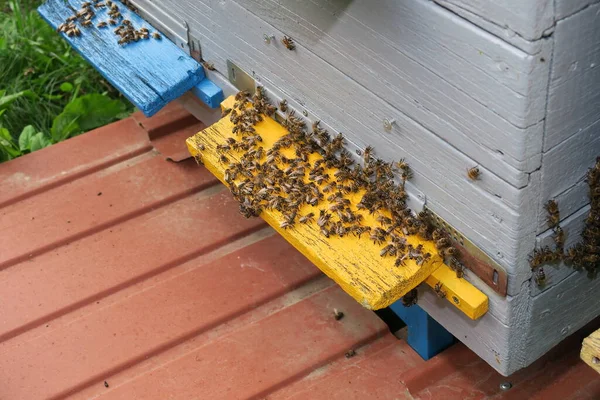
{"points": [[102, 24], [540, 277], [387, 250], [448, 252], [324, 218], [350, 354], [473, 173], [112, 22], [553, 213], [310, 217], [438, 290], [442, 243], [243, 94], [288, 42], [367, 154], [86, 23], [283, 105], [209, 66], [337, 314], [402, 164], [410, 298], [559, 237], [224, 159], [378, 235], [156, 36]]}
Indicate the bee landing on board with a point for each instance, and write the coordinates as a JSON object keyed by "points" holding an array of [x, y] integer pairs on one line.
{"points": [[438, 290], [288, 42], [473, 173]]}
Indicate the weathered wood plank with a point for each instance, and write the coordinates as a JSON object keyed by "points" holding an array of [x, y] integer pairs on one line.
{"points": [[565, 8], [569, 201], [508, 35], [352, 262], [150, 73], [229, 31], [559, 312], [574, 95], [467, 86], [590, 350], [526, 18], [573, 226], [499, 344], [566, 165]]}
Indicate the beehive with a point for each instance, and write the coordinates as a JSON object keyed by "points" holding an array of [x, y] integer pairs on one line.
{"points": [[511, 88]]}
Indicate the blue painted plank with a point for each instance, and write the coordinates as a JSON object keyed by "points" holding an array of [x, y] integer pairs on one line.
{"points": [[209, 93], [425, 335], [150, 73]]}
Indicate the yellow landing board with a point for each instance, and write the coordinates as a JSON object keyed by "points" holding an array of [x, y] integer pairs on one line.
{"points": [[590, 350], [353, 263]]}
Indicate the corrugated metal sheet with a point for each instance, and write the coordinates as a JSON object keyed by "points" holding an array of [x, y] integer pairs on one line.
{"points": [[124, 275]]}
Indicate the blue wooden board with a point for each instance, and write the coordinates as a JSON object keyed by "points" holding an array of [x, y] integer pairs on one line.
{"points": [[425, 335], [209, 93], [150, 73]]}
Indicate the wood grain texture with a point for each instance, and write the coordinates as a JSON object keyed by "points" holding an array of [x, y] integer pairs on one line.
{"points": [[499, 344], [526, 18], [150, 73], [555, 274], [590, 350], [352, 262], [574, 92], [528, 46], [565, 8], [570, 201], [559, 312], [468, 87], [564, 169], [485, 211]]}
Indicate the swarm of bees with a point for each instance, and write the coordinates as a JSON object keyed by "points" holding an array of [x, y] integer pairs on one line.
{"points": [[584, 255], [125, 31], [286, 177]]}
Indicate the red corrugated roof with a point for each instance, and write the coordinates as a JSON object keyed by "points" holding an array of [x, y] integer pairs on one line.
{"points": [[119, 266]]}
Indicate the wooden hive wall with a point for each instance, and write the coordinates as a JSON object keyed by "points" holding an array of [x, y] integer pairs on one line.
{"points": [[461, 94]]}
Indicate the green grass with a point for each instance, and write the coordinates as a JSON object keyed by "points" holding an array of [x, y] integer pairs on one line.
{"points": [[43, 74]]}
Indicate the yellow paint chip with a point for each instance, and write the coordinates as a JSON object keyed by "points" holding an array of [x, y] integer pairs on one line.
{"points": [[353, 263]]}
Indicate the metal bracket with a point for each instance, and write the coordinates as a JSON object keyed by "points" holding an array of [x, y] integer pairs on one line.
{"points": [[475, 259], [176, 31], [240, 78], [195, 48]]}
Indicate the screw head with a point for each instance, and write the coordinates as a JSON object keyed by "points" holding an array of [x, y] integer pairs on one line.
{"points": [[388, 124], [505, 386]]}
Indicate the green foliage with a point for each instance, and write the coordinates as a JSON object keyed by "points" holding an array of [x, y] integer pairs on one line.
{"points": [[80, 115], [85, 113], [48, 92]]}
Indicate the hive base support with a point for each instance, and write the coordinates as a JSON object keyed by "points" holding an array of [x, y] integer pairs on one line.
{"points": [[425, 335]]}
